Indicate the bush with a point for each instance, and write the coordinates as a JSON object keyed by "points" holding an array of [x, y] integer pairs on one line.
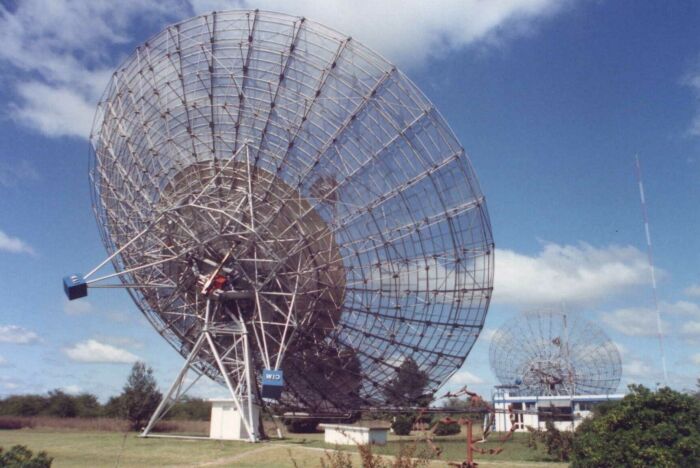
{"points": [[336, 459], [301, 426], [191, 409], [61, 405], [424, 419], [56, 403], [408, 457], [140, 397], [165, 426], [407, 388], [659, 429], [558, 443], [402, 425], [14, 423], [447, 428], [20, 456], [23, 405]]}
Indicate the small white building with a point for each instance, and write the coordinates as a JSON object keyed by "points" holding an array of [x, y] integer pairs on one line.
{"points": [[226, 422], [345, 434], [565, 411]]}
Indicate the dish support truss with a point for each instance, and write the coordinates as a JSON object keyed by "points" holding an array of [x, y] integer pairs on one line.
{"points": [[231, 363], [222, 346]]}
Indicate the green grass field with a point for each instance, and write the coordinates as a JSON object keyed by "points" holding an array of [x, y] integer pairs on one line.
{"points": [[98, 449]]}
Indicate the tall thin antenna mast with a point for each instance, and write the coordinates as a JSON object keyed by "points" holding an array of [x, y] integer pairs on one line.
{"points": [[650, 256]]}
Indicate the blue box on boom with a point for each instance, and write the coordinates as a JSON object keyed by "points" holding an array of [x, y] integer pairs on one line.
{"points": [[272, 384], [74, 286]]}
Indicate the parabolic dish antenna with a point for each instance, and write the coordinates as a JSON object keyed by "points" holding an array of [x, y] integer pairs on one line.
{"points": [[276, 196], [550, 353]]}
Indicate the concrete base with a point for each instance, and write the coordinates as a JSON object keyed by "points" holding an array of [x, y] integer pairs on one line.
{"points": [[226, 421], [342, 434]]}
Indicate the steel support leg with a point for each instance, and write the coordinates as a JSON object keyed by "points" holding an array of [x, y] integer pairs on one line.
{"points": [[174, 388]]}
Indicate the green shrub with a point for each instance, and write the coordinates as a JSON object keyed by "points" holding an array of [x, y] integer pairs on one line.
{"points": [[140, 396], [402, 425], [20, 456], [301, 426], [558, 443], [424, 419], [659, 429], [7, 422], [447, 428], [23, 405], [191, 409]]}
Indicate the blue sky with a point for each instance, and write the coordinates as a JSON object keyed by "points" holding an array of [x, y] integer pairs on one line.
{"points": [[551, 100]]}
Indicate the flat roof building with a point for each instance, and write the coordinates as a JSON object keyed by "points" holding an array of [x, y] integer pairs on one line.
{"points": [[565, 411]]}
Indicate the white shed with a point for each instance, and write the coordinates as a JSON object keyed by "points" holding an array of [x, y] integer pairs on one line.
{"points": [[345, 434], [226, 422]]}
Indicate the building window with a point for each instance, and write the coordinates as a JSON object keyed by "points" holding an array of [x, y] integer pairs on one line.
{"points": [[586, 405], [554, 413]]}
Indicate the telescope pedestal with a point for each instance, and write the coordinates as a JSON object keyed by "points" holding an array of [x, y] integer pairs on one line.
{"points": [[227, 362]]}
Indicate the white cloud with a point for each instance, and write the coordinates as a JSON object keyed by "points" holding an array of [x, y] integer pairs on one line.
{"points": [[72, 389], [464, 377], [691, 328], [398, 277], [633, 321], [487, 334], [54, 110], [84, 307], [681, 308], [80, 307], [61, 55], [635, 368], [207, 388], [692, 80], [621, 348], [14, 245], [641, 321], [570, 273], [9, 383], [693, 290], [13, 172], [120, 341], [62, 52], [93, 351], [17, 335], [411, 31], [120, 317]]}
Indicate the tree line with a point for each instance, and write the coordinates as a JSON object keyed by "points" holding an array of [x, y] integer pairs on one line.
{"points": [[136, 402]]}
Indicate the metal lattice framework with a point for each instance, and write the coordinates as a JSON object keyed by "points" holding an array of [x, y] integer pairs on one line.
{"points": [[292, 186], [550, 353]]}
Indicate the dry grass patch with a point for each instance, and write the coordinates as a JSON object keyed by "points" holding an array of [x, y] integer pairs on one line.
{"points": [[98, 424]]}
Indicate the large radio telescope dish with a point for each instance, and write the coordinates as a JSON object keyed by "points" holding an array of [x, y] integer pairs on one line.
{"points": [[551, 353], [261, 169]]}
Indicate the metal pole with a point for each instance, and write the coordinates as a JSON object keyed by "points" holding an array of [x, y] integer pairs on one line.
{"points": [[121, 249], [249, 384], [650, 256], [470, 450]]}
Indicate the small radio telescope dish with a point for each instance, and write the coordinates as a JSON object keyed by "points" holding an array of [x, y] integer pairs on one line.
{"points": [[290, 213], [551, 353]]}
